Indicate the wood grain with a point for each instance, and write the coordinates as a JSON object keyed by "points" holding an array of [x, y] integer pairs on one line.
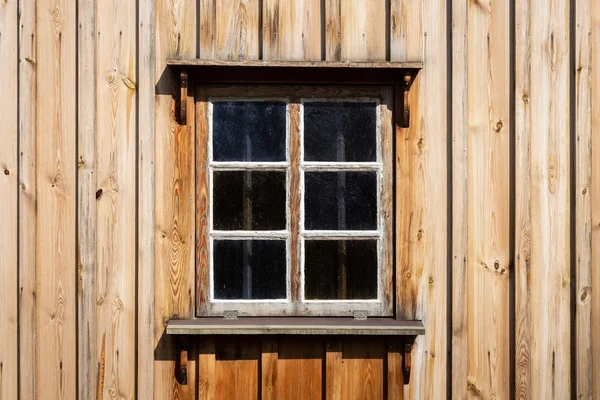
{"points": [[333, 30], [363, 30], [202, 206], [207, 368], [146, 59], [9, 54], [87, 262], [27, 198], [237, 29], [237, 369], [488, 198], [300, 368], [115, 174], [460, 200], [56, 218], [543, 288], [174, 224], [421, 203], [268, 370], [295, 259], [522, 201], [406, 29], [587, 349], [594, 41], [395, 376], [291, 30]]}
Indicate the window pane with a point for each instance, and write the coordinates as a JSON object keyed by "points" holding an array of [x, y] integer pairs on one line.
{"points": [[340, 269], [335, 131], [249, 200], [340, 200], [249, 269], [249, 131]]}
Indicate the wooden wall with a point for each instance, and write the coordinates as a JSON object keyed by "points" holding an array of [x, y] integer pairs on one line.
{"points": [[498, 241]]}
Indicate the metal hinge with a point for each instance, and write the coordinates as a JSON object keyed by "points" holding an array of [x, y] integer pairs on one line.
{"points": [[360, 315], [230, 314]]}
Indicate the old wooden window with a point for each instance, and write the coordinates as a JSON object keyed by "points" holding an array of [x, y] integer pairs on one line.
{"points": [[294, 200]]}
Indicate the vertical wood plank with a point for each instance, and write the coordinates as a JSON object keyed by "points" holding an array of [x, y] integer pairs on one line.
{"points": [[395, 376], [27, 198], [268, 371], [237, 369], [583, 198], [333, 30], [9, 361], [421, 202], [115, 170], [207, 369], [87, 294], [363, 30], [594, 40], [208, 24], [546, 291], [237, 29], [363, 368], [586, 198], [460, 200], [174, 272], [522, 201], [56, 157], [488, 198], [334, 369], [406, 19], [299, 373], [145, 246], [291, 30]]}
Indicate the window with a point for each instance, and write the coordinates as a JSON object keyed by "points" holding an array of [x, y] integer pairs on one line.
{"points": [[294, 200]]}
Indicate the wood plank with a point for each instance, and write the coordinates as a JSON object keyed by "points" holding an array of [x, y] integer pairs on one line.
{"points": [[363, 30], [291, 30], [56, 112], [295, 251], [583, 201], [333, 30], [363, 371], [395, 375], [300, 372], [237, 369], [460, 203], [488, 198], [9, 231], [268, 369], [594, 41], [87, 262], [207, 369], [522, 201], [146, 186], [587, 198], [27, 198], [546, 41], [421, 205], [174, 273], [208, 23], [334, 368], [237, 29], [406, 19], [115, 171]]}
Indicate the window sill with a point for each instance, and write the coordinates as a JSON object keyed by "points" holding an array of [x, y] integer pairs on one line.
{"points": [[295, 326]]}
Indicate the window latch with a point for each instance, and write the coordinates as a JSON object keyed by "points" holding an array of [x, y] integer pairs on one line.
{"points": [[360, 315], [230, 314]]}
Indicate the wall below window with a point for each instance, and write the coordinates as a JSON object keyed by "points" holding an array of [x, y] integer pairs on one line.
{"points": [[497, 207]]}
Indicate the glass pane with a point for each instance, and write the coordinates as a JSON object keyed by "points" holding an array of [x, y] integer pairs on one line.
{"points": [[340, 269], [249, 131], [249, 200], [249, 269], [335, 131], [340, 200]]}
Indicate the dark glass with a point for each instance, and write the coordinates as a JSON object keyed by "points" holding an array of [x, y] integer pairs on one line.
{"points": [[335, 131], [340, 200], [249, 131], [262, 191], [249, 269], [340, 269]]}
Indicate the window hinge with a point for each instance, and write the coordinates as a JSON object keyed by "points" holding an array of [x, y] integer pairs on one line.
{"points": [[360, 315], [230, 314]]}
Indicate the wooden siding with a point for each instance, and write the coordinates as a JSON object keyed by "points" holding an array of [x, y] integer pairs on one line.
{"points": [[497, 200]]}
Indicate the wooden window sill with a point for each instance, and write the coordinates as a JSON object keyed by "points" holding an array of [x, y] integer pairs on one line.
{"points": [[295, 326]]}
